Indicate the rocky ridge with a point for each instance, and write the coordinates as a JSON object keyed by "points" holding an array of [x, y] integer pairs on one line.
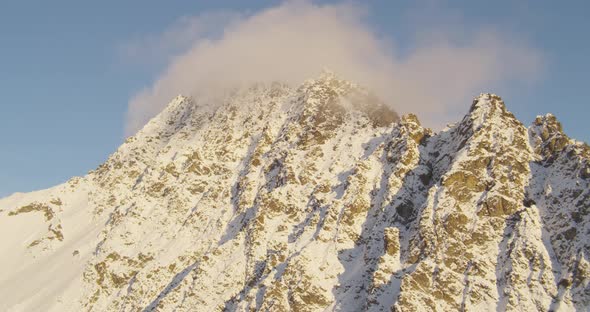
{"points": [[310, 199]]}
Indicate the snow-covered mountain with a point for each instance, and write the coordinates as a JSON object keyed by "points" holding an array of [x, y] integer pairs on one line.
{"points": [[315, 198]]}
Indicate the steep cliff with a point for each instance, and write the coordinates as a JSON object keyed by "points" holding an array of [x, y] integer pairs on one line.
{"points": [[310, 199]]}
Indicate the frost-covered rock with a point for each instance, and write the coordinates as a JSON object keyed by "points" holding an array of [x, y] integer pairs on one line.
{"points": [[310, 199]]}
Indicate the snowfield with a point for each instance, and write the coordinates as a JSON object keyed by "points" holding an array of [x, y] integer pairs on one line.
{"points": [[316, 198]]}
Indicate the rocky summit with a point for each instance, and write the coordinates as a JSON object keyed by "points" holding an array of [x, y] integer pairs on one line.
{"points": [[316, 198]]}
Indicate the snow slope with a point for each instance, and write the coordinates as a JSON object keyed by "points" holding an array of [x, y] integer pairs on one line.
{"points": [[315, 198]]}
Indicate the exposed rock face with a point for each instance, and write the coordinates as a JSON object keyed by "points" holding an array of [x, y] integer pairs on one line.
{"points": [[310, 199]]}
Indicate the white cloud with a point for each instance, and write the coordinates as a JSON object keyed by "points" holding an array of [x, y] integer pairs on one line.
{"points": [[295, 40]]}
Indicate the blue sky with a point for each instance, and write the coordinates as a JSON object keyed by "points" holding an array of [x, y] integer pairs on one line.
{"points": [[65, 81]]}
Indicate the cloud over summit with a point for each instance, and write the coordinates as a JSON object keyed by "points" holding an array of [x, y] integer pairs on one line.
{"points": [[295, 40]]}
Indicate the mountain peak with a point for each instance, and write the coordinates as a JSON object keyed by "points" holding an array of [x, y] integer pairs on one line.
{"points": [[339, 96], [308, 199], [329, 81], [489, 110], [549, 123], [547, 136], [487, 103]]}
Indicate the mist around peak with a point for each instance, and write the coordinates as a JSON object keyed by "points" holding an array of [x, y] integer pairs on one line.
{"points": [[295, 40]]}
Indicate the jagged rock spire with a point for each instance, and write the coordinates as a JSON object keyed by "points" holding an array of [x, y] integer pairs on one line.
{"points": [[310, 199]]}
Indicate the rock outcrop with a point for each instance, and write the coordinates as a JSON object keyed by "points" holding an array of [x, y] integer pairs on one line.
{"points": [[310, 199]]}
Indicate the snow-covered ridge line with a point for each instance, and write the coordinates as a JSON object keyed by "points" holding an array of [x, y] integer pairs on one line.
{"points": [[313, 198]]}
